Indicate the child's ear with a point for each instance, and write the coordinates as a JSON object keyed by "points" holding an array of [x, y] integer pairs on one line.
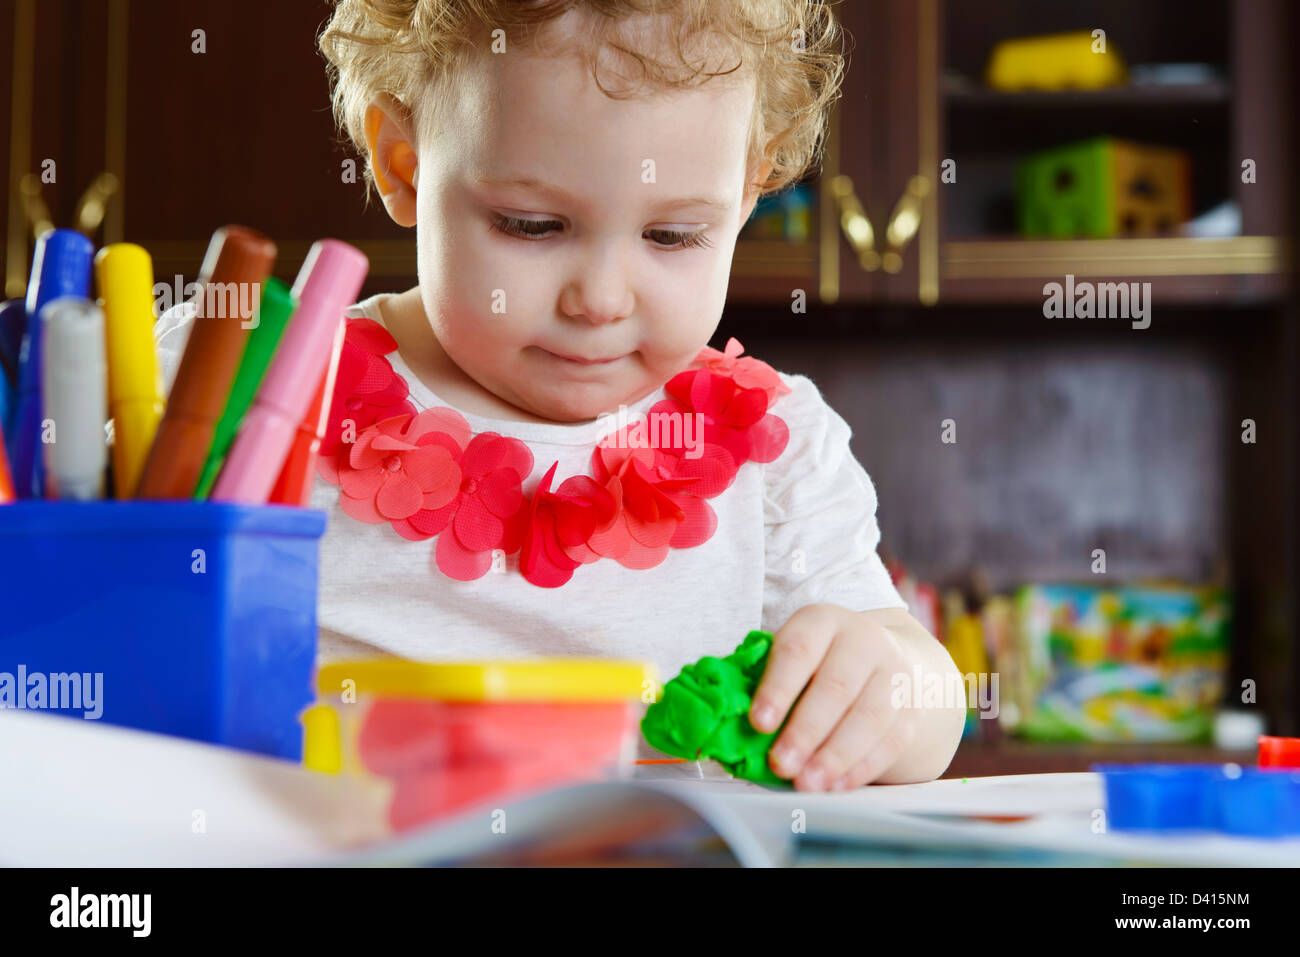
{"points": [[390, 137]]}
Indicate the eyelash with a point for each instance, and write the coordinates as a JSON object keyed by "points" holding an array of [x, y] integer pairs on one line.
{"points": [[517, 228]]}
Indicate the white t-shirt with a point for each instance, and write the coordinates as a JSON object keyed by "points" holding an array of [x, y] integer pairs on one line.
{"points": [[798, 530]]}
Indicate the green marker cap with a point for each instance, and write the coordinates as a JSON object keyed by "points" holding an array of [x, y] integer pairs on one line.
{"points": [[275, 308]]}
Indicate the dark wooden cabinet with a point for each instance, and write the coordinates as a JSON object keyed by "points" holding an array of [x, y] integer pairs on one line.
{"points": [[914, 99], [239, 131], [242, 132]]}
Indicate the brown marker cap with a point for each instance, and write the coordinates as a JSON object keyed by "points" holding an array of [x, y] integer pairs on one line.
{"points": [[237, 262]]}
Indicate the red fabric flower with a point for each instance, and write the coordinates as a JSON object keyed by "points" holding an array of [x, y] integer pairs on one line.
{"points": [[560, 520], [656, 510], [396, 468], [746, 372], [366, 389], [735, 420], [687, 455], [487, 512]]}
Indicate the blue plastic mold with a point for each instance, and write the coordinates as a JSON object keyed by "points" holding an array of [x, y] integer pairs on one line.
{"points": [[1256, 802], [200, 616]]}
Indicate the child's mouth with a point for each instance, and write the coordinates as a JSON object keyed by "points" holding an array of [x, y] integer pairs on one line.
{"points": [[582, 361]]}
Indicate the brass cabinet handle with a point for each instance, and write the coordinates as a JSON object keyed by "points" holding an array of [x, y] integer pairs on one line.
{"points": [[34, 208], [904, 222], [854, 222], [94, 202], [90, 207]]}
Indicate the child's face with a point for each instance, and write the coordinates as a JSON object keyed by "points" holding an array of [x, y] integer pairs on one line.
{"points": [[620, 184]]}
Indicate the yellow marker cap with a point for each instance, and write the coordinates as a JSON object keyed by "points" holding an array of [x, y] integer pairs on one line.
{"points": [[124, 275], [547, 679]]}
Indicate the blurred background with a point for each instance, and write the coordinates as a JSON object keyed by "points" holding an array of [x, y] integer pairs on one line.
{"points": [[1102, 516]]}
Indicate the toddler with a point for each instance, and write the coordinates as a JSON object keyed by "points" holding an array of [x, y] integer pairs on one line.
{"points": [[534, 452]]}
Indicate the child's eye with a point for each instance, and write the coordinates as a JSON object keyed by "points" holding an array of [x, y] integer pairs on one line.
{"points": [[669, 237], [523, 228], [537, 228]]}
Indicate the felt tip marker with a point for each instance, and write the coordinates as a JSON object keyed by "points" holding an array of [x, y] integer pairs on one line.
{"points": [[75, 390], [293, 487], [124, 275], [6, 480], [276, 309], [238, 261], [326, 285], [12, 323], [13, 319], [60, 267]]}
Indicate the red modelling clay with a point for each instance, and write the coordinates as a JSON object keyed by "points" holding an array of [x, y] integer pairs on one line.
{"points": [[445, 756]]}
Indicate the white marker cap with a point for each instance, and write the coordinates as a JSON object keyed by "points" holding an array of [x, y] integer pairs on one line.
{"points": [[75, 384]]}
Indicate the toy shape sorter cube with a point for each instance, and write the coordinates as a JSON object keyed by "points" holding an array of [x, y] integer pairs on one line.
{"points": [[1102, 188]]}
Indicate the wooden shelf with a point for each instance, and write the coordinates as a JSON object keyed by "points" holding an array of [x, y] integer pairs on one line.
{"points": [[994, 258], [768, 257], [1211, 93], [768, 270]]}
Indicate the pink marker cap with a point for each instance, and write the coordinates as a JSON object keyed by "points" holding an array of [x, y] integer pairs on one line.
{"points": [[327, 284]]}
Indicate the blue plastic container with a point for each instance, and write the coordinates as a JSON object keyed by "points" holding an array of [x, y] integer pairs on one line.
{"points": [[199, 616], [1263, 802], [1161, 797], [1252, 802]]}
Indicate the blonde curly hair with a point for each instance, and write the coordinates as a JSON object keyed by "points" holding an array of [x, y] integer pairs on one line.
{"points": [[410, 50]]}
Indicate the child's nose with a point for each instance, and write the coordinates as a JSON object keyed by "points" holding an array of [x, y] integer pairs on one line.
{"points": [[601, 292]]}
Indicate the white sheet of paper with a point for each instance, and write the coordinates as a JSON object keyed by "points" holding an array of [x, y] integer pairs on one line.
{"points": [[76, 793]]}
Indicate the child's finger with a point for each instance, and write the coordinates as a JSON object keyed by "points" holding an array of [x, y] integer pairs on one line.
{"points": [[798, 647], [835, 686], [882, 757], [864, 726]]}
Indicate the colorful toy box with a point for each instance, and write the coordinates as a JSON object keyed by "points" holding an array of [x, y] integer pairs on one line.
{"points": [[1103, 188], [1111, 665], [450, 735]]}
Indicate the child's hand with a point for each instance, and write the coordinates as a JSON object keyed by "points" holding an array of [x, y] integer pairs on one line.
{"points": [[845, 731]]}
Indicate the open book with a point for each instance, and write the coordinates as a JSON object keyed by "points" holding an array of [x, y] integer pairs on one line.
{"points": [[1017, 820]]}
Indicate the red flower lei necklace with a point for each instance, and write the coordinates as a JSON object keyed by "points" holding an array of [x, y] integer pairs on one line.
{"points": [[428, 474]]}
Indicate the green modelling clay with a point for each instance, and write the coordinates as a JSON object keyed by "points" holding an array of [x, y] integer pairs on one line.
{"points": [[704, 712]]}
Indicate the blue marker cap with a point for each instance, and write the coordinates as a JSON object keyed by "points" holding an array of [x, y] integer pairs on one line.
{"points": [[61, 267]]}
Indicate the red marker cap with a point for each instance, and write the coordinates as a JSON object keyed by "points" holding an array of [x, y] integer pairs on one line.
{"points": [[1279, 752]]}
